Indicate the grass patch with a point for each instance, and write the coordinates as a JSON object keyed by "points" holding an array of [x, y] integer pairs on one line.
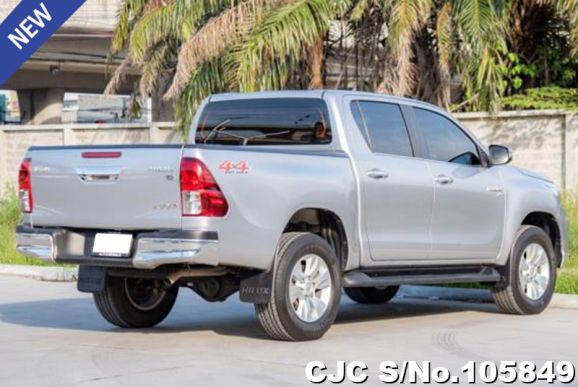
{"points": [[567, 282], [9, 218], [568, 276]]}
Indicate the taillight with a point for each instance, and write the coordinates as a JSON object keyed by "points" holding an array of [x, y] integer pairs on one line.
{"points": [[200, 193], [25, 186]]}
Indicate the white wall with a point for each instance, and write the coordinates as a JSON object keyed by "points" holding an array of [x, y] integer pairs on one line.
{"points": [[542, 141]]}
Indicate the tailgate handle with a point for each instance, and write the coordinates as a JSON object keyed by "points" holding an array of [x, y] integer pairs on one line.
{"points": [[91, 174]]}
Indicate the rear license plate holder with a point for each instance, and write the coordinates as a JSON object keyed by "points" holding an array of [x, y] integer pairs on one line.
{"points": [[112, 245]]}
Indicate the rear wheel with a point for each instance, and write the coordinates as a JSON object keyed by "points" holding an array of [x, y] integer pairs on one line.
{"points": [[372, 295], [529, 276], [135, 303], [306, 289]]}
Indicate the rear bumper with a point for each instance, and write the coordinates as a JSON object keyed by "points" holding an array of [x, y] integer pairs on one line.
{"points": [[149, 251]]}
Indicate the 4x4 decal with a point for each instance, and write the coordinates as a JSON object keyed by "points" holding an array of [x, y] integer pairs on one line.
{"points": [[229, 167]]}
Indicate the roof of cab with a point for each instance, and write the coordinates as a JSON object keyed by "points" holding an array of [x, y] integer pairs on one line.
{"points": [[316, 94]]}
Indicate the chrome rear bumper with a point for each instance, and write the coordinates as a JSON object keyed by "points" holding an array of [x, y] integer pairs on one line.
{"points": [[153, 252], [36, 245], [150, 249]]}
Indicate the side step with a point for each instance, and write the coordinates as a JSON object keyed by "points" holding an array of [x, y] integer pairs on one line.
{"points": [[420, 276]]}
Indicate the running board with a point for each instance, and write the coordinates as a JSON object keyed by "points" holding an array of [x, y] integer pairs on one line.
{"points": [[419, 276]]}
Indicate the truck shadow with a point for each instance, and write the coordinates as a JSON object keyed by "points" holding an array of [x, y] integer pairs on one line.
{"points": [[232, 318]]}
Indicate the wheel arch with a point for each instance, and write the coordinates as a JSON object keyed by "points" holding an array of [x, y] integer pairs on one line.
{"points": [[548, 223], [320, 221], [325, 223]]}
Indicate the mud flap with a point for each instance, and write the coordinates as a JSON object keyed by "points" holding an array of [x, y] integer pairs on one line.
{"points": [[91, 279], [257, 289]]}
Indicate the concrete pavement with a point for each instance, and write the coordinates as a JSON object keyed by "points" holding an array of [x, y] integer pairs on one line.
{"points": [[51, 335], [41, 273]]}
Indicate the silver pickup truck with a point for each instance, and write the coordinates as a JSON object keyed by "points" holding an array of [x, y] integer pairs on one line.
{"points": [[288, 198]]}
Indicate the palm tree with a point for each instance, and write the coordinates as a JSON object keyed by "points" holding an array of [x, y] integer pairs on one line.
{"points": [[193, 48], [568, 8], [189, 49]]}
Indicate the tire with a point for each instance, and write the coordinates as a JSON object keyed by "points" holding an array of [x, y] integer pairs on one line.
{"points": [[287, 319], [513, 296], [119, 308], [372, 296]]}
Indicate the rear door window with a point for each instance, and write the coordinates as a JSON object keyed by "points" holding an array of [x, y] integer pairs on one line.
{"points": [[275, 121], [383, 126]]}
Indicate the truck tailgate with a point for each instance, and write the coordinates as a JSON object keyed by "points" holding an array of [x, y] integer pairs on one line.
{"points": [[123, 187]]}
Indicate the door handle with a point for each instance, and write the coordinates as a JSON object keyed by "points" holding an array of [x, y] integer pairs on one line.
{"points": [[377, 174], [443, 179]]}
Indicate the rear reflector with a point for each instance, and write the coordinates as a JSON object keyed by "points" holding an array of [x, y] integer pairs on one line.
{"points": [[25, 186], [200, 193], [101, 155]]}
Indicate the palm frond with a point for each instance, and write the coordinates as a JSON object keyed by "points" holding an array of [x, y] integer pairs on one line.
{"points": [[444, 33], [155, 25], [154, 67], [569, 8], [482, 27], [478, 21], [171, 19], [278, 42], [127, 15], [406, 18], [205, 80], [487, 82], [218, 33], [118, 77]]}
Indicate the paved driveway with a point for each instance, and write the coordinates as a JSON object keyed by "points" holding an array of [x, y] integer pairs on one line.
{"points": [[50, 335]]}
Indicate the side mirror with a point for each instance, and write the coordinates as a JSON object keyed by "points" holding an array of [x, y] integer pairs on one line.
{"points": [[500, 155]]}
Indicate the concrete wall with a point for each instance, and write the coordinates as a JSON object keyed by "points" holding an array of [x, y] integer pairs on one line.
{"points": [[543, 141], [15, 140]]}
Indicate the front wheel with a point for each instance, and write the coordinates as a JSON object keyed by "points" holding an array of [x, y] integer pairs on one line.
{"points": [[306, 289], [135, 303], [530, 275]]}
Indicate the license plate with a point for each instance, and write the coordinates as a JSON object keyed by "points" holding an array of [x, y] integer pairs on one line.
{"points": [[112, 245]]}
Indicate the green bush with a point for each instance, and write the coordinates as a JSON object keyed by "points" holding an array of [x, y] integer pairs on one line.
{"points": [[543, 98], [9, 218], [568, 276]]}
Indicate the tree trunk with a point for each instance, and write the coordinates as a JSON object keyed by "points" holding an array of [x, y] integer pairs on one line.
{"points": [[316, 64]]}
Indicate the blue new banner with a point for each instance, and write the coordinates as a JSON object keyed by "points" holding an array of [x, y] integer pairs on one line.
{"points": [[27, 28]]}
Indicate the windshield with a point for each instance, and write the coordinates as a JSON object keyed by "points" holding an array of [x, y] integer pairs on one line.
{"points": [[276, 121]]}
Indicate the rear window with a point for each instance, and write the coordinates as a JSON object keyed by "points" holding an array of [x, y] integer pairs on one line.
{"points": [[278, 121]]}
